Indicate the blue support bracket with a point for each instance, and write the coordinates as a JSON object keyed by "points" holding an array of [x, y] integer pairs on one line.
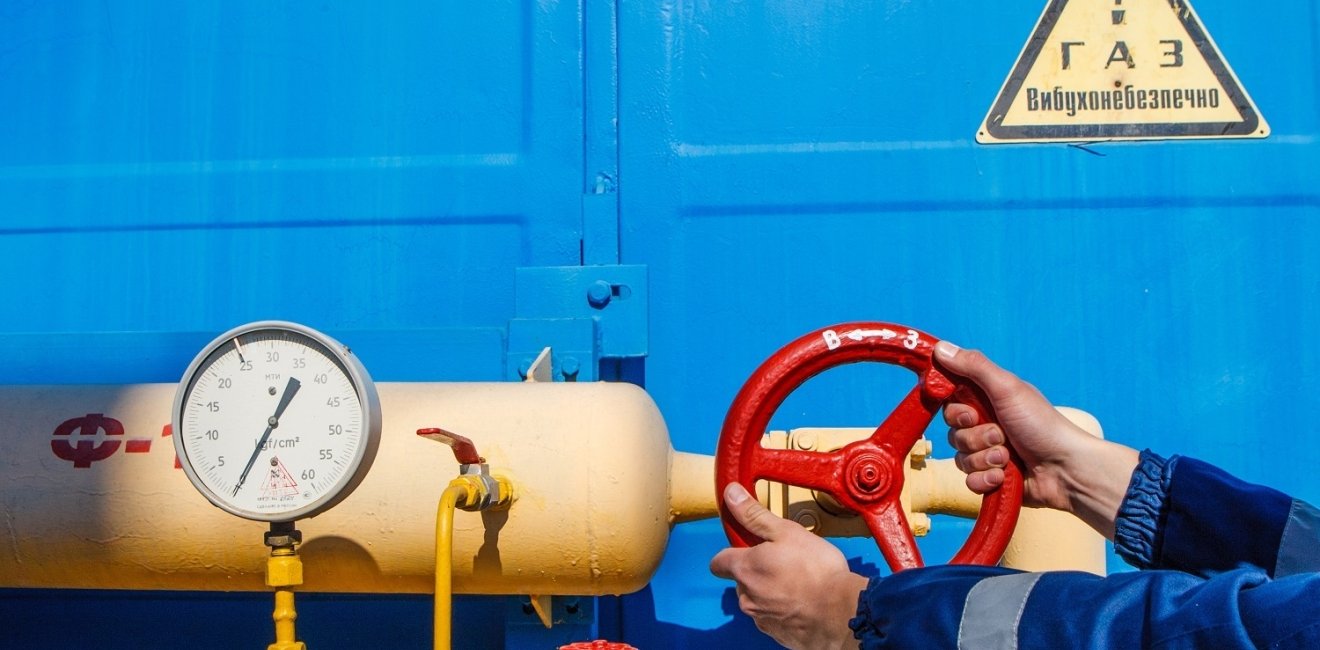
{"points": [[574, 343], [586, 314]]}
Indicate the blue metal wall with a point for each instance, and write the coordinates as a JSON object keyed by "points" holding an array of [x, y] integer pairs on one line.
{"points": [[169, 170]]}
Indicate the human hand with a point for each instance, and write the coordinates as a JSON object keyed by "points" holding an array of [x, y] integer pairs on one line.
{"points": [[1064, 467], [795, 586]]}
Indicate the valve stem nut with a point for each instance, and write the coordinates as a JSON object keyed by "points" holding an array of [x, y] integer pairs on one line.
{"points": [[807, 519], [921, 451]]}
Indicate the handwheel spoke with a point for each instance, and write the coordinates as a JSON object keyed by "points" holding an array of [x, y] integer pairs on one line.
{"points": [[890, 528], [808, 469], [906, 424]]}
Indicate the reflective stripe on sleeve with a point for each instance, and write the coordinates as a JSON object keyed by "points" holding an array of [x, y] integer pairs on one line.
{"points": [[1299, 547], [993, 610]]}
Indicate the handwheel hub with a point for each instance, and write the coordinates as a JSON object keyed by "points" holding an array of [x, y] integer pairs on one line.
{"points": [[868, 476]]}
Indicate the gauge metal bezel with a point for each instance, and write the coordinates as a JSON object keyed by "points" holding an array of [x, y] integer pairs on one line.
{"points": [[362, 385]]}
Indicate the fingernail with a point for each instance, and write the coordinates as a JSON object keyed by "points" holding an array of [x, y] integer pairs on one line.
{"points": [[996, 457], [946, 350], [735, 494], [995, 437], [966, 420]]}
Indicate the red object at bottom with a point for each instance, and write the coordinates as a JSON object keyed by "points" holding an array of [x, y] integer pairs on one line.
{"points": [[596, 645]]}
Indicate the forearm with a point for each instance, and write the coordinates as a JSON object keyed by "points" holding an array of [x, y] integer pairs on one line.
{"points": [[1095, 477]]}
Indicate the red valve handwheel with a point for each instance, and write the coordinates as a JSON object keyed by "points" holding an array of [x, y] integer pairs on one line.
{"points": [[865, 476]]}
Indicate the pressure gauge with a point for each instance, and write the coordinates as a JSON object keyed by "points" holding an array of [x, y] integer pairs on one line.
{"points": [[274, 421]]}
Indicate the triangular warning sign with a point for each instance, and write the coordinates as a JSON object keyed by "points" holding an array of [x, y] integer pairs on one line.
{"points": [[279, 482], [1120, 70]]}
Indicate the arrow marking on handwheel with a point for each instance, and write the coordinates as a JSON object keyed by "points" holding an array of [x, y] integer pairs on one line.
{"points": [[858, 335]]}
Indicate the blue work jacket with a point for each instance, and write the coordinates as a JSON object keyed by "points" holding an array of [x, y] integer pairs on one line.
{"points": [[1226, 564]]}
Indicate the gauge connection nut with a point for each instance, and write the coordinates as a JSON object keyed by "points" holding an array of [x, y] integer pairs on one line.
{"points": [[281, 538], [284, 571]]}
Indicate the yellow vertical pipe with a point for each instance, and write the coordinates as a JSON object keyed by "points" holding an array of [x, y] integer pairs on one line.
{"points": [[284, 572], [444, 550], [285, 615], [1053, 540]]}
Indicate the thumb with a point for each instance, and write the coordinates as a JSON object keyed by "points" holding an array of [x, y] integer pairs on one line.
{"points": [[995, 381], [752, 515]]}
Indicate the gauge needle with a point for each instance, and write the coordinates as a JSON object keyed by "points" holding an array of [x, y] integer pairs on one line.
{"points": [[290, 389]]}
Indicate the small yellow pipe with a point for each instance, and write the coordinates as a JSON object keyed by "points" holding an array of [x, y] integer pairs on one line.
{"points": [[284, 572], [285, 615], [454, 494]]}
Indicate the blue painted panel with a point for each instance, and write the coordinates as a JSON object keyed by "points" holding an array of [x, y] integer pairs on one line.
{"points": [[186, 166], [787, 165], [376, 170], [169, 170]]}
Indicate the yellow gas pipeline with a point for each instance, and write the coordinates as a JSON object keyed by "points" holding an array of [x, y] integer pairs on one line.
{"points": [[592, 462]]}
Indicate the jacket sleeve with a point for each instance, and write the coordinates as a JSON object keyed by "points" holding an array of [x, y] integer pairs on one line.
{"points": [[1232, 566], [1187, 515]]}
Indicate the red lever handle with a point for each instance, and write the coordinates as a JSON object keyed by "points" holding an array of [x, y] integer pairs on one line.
{"points": [[464, 450]]}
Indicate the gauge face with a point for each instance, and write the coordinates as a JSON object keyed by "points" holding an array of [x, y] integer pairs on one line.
{"points": [[275, 421]]}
